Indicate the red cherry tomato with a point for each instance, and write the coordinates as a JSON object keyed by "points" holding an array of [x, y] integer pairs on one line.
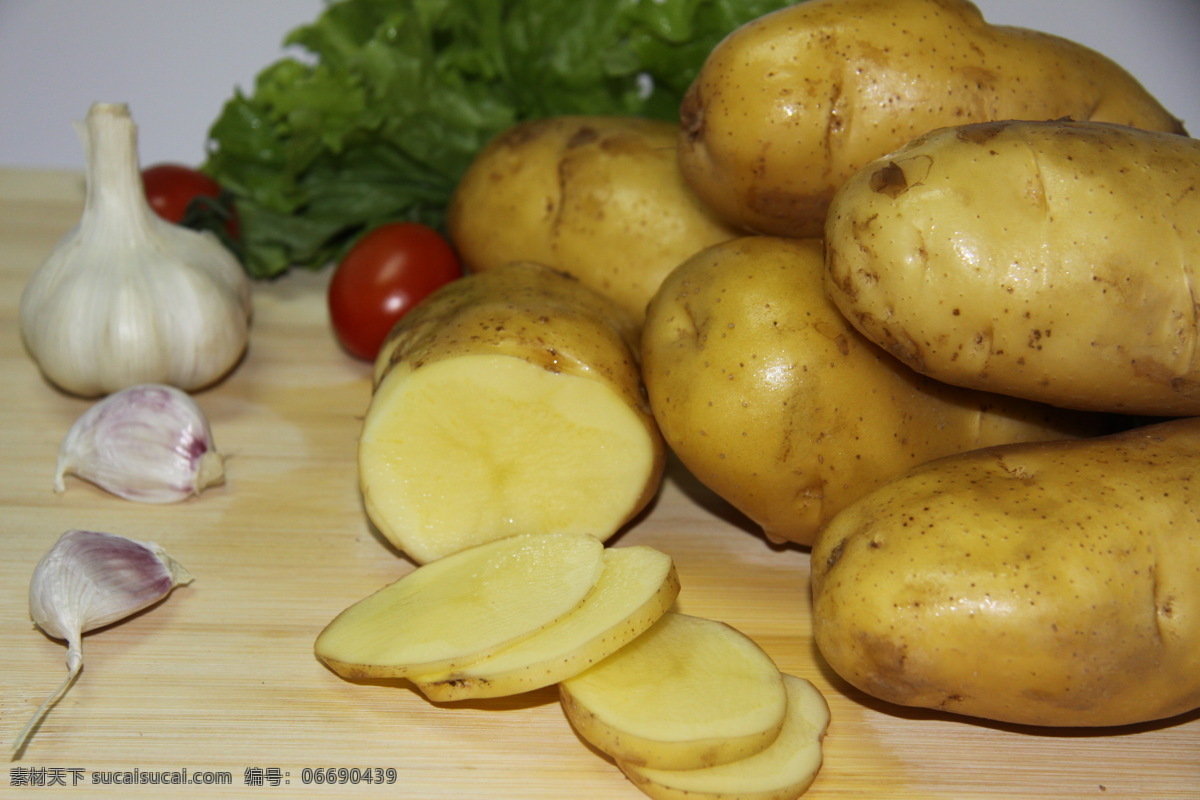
{"points": [[171, 188], [386, 273]]}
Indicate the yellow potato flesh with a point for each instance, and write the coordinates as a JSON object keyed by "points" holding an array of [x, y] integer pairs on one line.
{"points": [[1054, 261], [477, 447], [783, 771], [688, 693], [1043, 584], [637, 587], [462, 607], [507, 401]]}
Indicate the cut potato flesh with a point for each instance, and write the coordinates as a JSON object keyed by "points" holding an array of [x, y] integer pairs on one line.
{"points": [[688, 693], [783, 771], [637, 587], [473, 448], [463, 607]]}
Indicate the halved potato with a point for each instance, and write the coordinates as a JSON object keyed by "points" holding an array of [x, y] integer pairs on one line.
{"points": [[463, 607], [637, 587], [508, 401], [783, 771], [688, 693]]}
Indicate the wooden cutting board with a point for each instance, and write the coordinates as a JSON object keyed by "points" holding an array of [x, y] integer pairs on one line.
{"points": [[220, 679]]}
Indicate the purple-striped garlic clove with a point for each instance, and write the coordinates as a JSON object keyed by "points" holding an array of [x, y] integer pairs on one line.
{"points": [[88, 580], [149, 443]]}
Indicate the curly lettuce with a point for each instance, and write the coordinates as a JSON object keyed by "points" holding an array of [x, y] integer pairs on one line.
{"points": [[387, 102]]}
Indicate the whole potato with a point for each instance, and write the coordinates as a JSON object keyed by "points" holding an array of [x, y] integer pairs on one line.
{"points": [[791, 104], [1041, 584], [1054, 261], [773, 400], [600, 198]]}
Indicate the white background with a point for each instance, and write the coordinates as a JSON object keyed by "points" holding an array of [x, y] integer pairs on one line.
{"points": [[175, 62]]}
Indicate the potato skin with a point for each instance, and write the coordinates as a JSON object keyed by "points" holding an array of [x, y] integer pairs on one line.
{"points": [[597, 197], [1053, 261], [1053, 584], [790, 105], [773, 400], [529, 311]]}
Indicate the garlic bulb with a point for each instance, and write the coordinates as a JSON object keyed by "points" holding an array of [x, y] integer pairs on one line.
{"points": [[150, 443], [89, 580], [127, 297]]}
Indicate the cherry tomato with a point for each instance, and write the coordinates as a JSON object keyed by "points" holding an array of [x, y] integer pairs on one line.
{"points": [[381, 277], [171, 188]]}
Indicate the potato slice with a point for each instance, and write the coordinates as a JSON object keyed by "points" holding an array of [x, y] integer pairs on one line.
{"points": [[783, 771], [637, 587], [463, 607], [688, 693]]}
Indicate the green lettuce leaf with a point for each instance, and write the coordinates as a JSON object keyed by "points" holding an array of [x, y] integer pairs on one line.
{"points": [[386, 102]]}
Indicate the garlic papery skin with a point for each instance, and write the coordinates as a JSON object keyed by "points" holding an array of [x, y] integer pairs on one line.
{"points": [[91, 579], [149, 443], [88, 580], [126, 297]]}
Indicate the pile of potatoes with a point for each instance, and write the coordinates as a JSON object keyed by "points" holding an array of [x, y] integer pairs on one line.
{"points": [[906, 287]]}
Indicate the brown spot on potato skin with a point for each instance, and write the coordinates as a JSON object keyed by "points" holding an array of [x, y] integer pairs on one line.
{"points": [[890, 180], [981, 133], [835, 555], [519, 136], [905, 348], [584, 136], [691, 114], [886, 658]]}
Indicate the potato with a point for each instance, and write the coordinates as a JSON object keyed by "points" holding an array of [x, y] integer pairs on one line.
{"points": [[600, 198], [1048, 260], [638, 585], [463, 607], [688, 693], [1052, 584], [773, 400], [790, 105], [782, 771], [508, 401]]}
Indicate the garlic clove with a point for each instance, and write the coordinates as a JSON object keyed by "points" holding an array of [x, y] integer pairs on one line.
{"points": [[91, 579], [127, 297], [149, 443], [88, 580]]}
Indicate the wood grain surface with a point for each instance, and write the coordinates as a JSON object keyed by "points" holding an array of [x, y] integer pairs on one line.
{"points": [[220, 678]]}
